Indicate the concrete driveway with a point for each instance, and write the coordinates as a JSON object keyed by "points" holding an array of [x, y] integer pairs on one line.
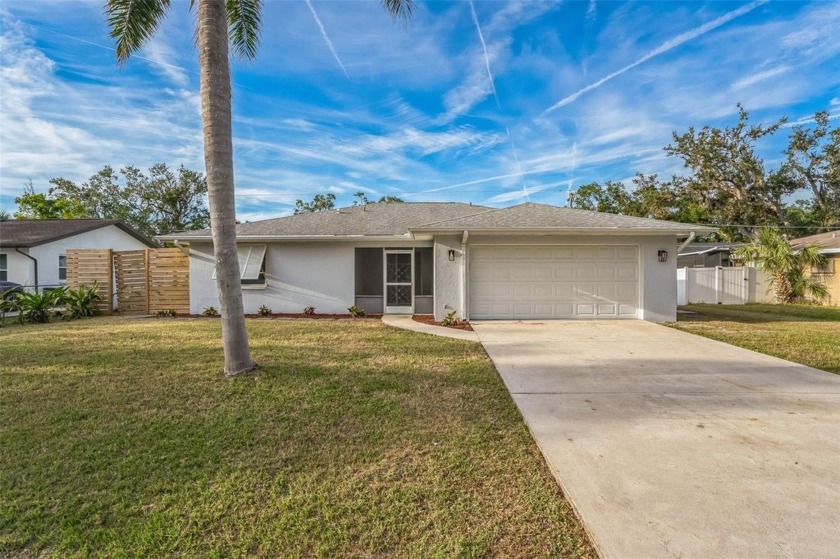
{"points": [[673, 445]]}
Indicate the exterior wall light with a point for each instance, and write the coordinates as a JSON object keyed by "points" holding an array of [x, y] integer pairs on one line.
{"points": [[451, 255], [663, 255]]}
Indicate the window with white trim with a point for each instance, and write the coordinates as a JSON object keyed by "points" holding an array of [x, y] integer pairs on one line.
{"points": [[4, 271], [251, 264], [62, 267]]}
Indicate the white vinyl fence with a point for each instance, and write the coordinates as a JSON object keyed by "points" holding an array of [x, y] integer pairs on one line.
{"points": [[724, 286]]}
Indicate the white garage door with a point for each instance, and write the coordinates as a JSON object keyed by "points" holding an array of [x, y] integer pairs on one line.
{"points": [[554, 282]]}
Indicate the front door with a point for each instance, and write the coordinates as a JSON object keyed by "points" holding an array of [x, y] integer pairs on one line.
{"points": [[399, 276]]}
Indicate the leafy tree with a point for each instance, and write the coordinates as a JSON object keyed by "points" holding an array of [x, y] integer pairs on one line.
{"points": [[5, 216], [728, 178], [785, 266], [159, 202], [319, 203], [220, 25], [610, 198], [813, 163], [362, 199], [38, 205]]}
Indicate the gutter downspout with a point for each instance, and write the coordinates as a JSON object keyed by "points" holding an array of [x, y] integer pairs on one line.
{"points": [[181, 247], [685, 244], [464, 310], [35, 260]]}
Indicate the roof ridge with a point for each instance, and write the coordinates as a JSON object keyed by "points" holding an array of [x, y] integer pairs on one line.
{"points": [[491, 210]]}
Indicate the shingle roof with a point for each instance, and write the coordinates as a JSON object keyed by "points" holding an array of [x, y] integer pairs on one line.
{"points": [[399, 219], [830, 239], [34, 232], [531, 216], [381, 219]]}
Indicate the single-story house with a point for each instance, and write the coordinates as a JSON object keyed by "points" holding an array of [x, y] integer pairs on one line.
{"points": [[707, 255], [531, 261], [829, 274], [33, 251]]}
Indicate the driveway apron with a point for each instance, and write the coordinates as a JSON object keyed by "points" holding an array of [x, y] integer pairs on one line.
{"points": [[673, 445]]}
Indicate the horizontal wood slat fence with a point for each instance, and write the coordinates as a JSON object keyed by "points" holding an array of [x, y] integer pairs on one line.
{"points": [[147, 281], [89, 267]]}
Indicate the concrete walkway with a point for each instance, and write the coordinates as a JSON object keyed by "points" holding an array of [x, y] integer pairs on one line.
{"points": [[405, 322], [674, 445]]}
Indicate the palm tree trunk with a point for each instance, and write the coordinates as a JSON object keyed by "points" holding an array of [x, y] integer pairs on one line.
{"points": [[218, 159]]}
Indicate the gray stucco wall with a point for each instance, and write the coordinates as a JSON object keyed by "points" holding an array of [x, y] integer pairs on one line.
{"points": [[299, 274], [448, 277]]}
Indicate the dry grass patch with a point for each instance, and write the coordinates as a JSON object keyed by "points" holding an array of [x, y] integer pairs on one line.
{"points": [[120, 438]]}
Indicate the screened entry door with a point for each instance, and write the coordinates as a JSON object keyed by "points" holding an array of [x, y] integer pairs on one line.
{"points": [[399, 276]]}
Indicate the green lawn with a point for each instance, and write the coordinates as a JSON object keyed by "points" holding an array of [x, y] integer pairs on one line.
{"points": [[800, 333], [120, 438]]}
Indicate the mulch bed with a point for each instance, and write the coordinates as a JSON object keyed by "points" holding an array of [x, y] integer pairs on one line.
{"points": [[430, 319]]}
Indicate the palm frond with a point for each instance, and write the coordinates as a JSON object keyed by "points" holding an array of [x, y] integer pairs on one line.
{"points": [[399, 9], [244, 18], [133, 22]]}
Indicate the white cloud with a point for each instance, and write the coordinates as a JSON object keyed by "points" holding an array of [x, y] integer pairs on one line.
{"points": [[661, 49], [753, 79]]}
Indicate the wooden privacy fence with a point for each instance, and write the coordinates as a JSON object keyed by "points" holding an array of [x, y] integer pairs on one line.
{"points": [[89, 266], [144, 281]]}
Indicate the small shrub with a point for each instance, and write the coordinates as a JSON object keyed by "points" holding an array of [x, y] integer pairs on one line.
{"points": [[210, 311], [355, 311], [309, 311], [39, 307], [167, 312], [9, 303], [81, 302], [450, 320], [264, 311]]}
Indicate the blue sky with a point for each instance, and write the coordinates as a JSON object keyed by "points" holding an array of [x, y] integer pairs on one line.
{"points": [[492, 102]]}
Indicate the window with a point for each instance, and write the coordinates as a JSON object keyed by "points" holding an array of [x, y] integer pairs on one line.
{"points": [[62, 267], [4, 271], [369, 273], [251, 265], [825, 270], [423, 271]]}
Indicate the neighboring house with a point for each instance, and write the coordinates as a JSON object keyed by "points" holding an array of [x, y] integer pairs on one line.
{"points": [[829, 244], [526, 261], [33, 251], [707, 255]]}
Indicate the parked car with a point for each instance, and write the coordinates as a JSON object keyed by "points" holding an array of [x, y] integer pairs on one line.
{"points": [[9, 288]]}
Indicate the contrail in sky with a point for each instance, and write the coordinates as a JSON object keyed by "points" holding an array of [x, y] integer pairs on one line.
{"points": [[327, 38], [484, 48], [661, 49]]}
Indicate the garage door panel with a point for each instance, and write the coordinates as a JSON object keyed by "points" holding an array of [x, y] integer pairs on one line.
{"points": [[585, 309], [626, 253], [606, 309], [554, 282]]}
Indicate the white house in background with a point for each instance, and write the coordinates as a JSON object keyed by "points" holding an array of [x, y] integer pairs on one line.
{"points": [[522, 262], [33, 251]]}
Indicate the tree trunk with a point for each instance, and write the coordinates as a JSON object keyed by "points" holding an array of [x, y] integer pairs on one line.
{"points": [[218, 160]]}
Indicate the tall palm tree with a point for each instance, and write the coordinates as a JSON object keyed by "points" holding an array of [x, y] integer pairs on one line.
{"points": [[785, 265], [220, 25]]}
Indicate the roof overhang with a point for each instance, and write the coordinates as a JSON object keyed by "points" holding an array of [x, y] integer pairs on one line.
{"points": [[557, 231], [288, 238]]}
